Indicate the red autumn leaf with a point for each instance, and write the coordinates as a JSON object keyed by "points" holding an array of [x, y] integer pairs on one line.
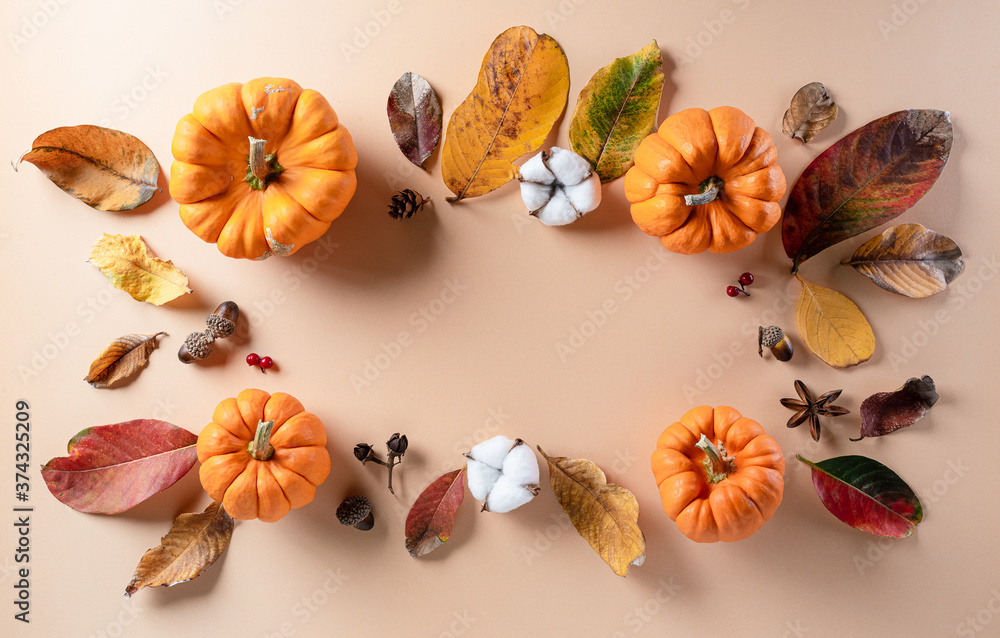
{"points": [[885, 412], [113, 468], [866, 495], [869, 177], [428, 525]]}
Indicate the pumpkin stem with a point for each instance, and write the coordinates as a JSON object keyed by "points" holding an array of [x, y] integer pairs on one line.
{"points": [[260, 448], [718, 464], [262, 169], [710, 190]]}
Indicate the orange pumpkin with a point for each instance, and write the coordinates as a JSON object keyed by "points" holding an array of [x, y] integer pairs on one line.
{"points": [[261, 168], [262, 455], [706, 180], [720, 476]]}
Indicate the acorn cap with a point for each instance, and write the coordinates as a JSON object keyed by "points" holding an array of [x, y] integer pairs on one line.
{"points": [[356, 511], [768, 338], [197, 345], [220, 327]]}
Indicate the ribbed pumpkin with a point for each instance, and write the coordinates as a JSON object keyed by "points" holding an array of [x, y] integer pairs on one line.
{"points": [[261, 168], [706, 180], [262, 455], [720, 476]]}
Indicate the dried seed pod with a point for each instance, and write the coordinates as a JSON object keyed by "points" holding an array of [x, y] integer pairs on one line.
{"points": [[773, 338], [356, 511]]}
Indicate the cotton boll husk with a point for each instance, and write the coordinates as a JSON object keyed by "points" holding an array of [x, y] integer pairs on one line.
{"points": [[521, 466], [534, 171], [568, 167], [585, 196], [559, 211], [492, 451], [507, 495], [482, 478], [535, 195]]}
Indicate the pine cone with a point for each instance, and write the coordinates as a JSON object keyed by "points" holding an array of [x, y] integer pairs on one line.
{"points": [[406, 204]]}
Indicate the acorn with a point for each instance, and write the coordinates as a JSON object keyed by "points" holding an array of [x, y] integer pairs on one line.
{"points": [[197, 345], [356, 511], [773, 338], [221, 324]]}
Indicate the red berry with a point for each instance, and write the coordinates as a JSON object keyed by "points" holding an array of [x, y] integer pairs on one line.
{"points": [[746, 279], [253, 359], [266, 363], [733, 291]]}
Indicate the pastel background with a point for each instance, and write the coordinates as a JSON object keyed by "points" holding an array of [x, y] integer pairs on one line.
{"points": [[483, 298]]}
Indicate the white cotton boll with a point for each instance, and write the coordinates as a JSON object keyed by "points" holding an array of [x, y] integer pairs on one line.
{"points": [[568, 167], [559, 211], [521, 466], [507, 495], [492, 451], [585, 196], [534, 170], [535, 195], [482, 478]]}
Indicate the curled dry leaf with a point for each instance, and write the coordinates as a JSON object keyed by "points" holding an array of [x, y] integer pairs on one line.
{"points": [[910, 260], [414, 117], [113, 468], [103, 168], [869, 177], [129, 265], [812, 110], [430, 519], [194, 542], [885, 412], [522, 89], [616, 110], [833, 327], [866, 495], [606, 515], [121, 358]]}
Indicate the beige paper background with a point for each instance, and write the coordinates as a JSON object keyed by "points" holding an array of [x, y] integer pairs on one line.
{"points": [[488, 363]]}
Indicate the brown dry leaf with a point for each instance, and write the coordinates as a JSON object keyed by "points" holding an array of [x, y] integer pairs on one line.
{"points": [[104, 168], [910, 260], [121, 358], [193, 543], [606, 515], [522, 89], [833, 327], [812, 110], [129, 265]]}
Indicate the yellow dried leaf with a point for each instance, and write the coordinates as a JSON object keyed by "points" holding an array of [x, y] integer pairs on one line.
{"points": [[121, 358], [606, 515], [833, 327], [193, 543], [130, 266], [521, 92]]}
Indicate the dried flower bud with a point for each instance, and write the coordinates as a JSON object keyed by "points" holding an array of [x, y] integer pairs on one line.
{"points": [[397, 444], [363, 452]]}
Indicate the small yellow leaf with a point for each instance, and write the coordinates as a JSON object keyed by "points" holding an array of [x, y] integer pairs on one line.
{"points": [[522, 89], [121, 358], [606, 515], [833, 327], [130, 266], [193, 543]]}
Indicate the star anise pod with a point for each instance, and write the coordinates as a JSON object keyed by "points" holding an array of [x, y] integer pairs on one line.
{"points": [[812, 408]]}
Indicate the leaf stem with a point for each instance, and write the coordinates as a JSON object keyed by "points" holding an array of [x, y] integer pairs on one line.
{"points": [[260, 448], [718, 465]]}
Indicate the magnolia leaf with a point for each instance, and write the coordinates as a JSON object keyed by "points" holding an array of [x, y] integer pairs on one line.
{"points": [[910, 260], [885, 412], [869, 177], [120, 359], [129, 265], [617, 110], [606, 515], [194, 542], [812, 110], [103, 168], [429, 522], [866, 495], [522, 89], [833, 327], [414, 117], [113, 468]]}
